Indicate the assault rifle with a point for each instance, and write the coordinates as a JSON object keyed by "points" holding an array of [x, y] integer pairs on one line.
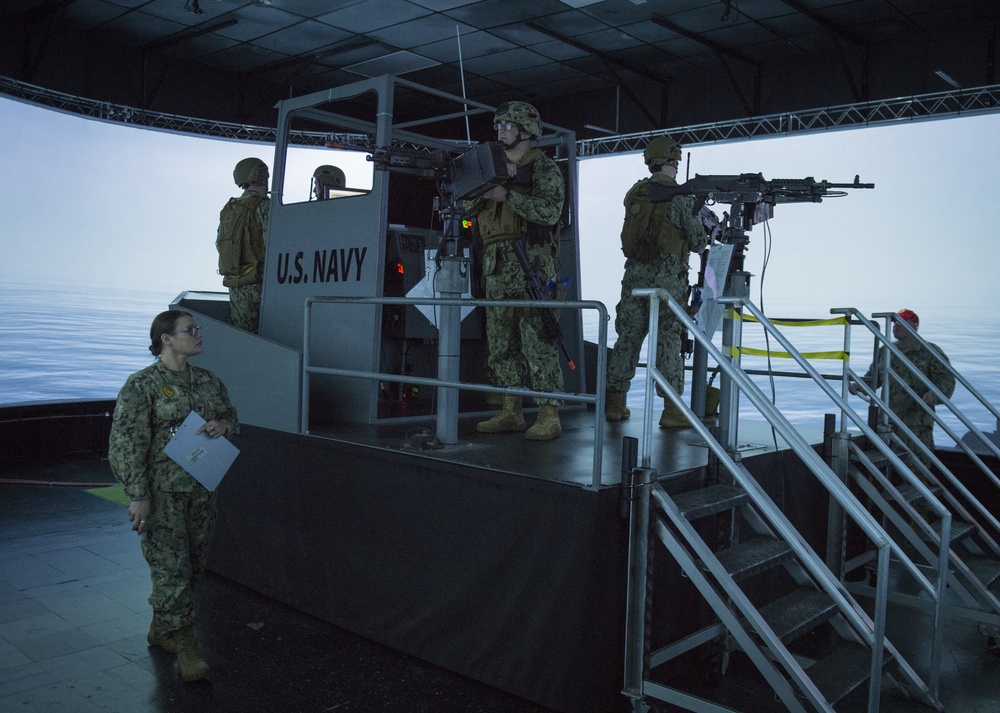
{"points": [[537, 291]]}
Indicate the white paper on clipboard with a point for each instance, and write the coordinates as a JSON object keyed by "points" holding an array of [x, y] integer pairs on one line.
{"points": [[207, 459]]}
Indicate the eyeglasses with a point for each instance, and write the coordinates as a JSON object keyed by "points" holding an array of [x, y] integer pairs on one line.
{"points": [[505, 126], [193, 330]]}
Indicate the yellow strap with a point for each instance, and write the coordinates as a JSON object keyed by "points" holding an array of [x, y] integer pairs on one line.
{"points": [[748, 351], [832, 322]]}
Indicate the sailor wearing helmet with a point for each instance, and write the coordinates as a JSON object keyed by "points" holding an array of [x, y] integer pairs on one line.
{"points": [[528, 207]]}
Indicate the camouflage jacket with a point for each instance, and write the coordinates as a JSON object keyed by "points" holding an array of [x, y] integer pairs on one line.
{"points": [[151, 405], [927, 364], [536, 195]]}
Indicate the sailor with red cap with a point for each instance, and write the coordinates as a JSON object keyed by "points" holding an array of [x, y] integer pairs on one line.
{"points": [[929, 360]]}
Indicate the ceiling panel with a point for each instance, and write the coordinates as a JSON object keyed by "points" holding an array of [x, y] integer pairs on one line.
{"points": [[839, 50]]}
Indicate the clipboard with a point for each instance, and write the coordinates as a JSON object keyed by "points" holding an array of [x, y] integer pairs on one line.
{"points": [[206, 459]]}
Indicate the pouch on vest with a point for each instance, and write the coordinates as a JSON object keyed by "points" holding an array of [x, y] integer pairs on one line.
{"points": [[238, 257], [639, 235]]}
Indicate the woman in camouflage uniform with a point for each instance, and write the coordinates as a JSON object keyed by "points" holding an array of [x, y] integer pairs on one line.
{"points": [[170, 510]]}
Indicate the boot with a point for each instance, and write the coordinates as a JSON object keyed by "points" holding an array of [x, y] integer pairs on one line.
{"points": [[547, 426], [508, 420], [671, 416], [189, 660], [155, 637], [614, 406]]}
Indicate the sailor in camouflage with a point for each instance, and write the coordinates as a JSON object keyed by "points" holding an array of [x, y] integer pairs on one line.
{"points": [[241, 241], [656, 240], [527, 207], [929, 363], [170, 510]]}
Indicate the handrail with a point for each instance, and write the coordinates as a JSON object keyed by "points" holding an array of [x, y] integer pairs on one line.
{"points": [[892, 349], [871, 631], [941, 398], [798, 444], [596, 399]]}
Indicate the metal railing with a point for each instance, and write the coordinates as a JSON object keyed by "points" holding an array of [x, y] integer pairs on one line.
{"points": [[597, 399], [888, 351], [871, 633]]}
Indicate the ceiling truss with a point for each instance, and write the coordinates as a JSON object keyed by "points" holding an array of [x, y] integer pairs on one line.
{"points": [[938, 105]]}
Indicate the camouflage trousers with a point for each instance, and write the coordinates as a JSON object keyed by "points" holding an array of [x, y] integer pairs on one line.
{"points": [[632, 323], [518, 347], [924, 432], [176, 548], [244, 307]]}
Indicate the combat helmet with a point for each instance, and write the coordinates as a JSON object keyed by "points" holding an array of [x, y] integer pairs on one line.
{"points": [[661, 150], [249, 170], [330, 176], [521, 113]]}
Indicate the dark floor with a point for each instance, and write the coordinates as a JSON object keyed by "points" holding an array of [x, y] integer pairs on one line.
{"points": [[73, 619], [74, 616]]}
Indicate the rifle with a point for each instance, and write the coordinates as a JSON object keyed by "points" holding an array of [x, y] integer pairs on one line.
{"points": [[537, 291]]}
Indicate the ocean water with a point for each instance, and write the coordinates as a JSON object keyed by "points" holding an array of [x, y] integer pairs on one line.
{"points": [[65, 342]]}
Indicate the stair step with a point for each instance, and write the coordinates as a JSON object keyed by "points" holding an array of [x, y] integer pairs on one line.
{"points": [[708, 501], [753, 556], [881, 461], [910, 493], [961, 530], [986, 571], [798, 612], [842, 672]]}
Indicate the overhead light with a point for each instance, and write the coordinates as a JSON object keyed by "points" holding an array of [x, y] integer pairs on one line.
{"points": [[580, 3], [948, 78]]}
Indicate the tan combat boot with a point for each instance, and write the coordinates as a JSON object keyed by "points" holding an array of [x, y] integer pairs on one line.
{"points": [[155, 637], [672, 417], [508, 420], [189, 660], [547, 426], [614, 406]]}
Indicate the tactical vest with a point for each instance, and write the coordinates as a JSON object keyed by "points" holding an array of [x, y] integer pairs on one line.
{"points": [[240, 242], [498, 222], [647, 232]]}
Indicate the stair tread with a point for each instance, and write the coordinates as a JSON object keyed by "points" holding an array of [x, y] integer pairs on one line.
{"points": [[843, 671], [798, 612], [985, 570], [748, 558], [710, 500], [910, 492]]}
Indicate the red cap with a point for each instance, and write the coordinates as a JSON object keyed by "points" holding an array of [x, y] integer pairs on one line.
{"points": [[910, 316]]}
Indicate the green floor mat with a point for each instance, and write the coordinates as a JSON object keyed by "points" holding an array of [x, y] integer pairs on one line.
{"points": [[114, 493]]}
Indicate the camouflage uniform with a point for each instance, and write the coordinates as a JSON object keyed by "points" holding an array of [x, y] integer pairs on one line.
{"points": [[151, 404], [516, 337], [916, 418], [245, 299], [669, 271]]}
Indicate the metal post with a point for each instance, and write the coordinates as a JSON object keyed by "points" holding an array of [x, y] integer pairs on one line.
{"points": [[635, 606], [451, 282]]}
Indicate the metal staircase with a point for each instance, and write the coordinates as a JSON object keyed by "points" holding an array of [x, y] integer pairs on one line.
{"points": [[769, 595], [921, 503]]}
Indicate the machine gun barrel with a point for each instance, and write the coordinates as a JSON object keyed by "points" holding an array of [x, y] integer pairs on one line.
{"points": [[754, 188], [553, 331]]}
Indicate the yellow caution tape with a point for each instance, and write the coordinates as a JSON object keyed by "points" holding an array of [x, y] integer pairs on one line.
{"points": [[748, 351], [832, 322]]}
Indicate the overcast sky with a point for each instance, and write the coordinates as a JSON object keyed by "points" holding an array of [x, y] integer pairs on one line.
{"points": [[85, 201]]}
